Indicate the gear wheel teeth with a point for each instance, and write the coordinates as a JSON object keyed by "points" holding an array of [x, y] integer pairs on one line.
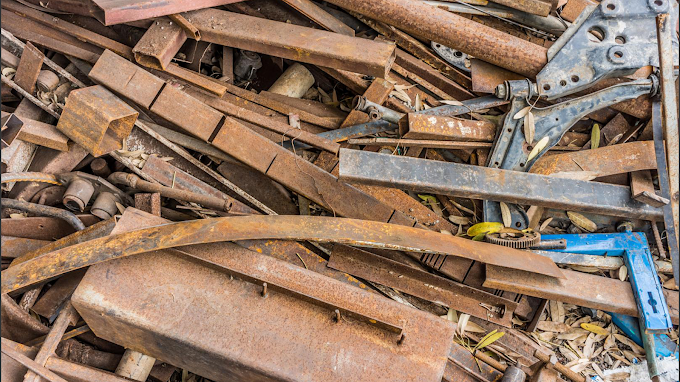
{"points": [[527, 241]]}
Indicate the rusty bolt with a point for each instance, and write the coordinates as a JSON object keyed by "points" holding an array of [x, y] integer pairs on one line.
{"points": [[264, 293]]}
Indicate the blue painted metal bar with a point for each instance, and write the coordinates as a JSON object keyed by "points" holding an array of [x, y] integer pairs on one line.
{"points": [[637, 257], [630, 326]]}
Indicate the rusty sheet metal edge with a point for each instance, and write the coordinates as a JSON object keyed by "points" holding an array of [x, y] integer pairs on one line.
{"points": [[118, 12], [421, 353], [294, 42], [422, 284], [312, 228]]}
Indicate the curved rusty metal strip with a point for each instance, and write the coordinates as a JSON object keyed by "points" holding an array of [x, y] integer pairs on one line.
{"points": [[359, 233]]}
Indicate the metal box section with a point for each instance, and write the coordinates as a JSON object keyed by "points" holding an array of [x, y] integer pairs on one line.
{"points": [[206, 308]]}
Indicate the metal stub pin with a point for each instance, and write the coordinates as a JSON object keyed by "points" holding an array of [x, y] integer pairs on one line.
{"points": [[337, 317], [264, 292], [401, 339]]}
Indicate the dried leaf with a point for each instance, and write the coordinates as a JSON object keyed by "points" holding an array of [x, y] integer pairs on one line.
{"points": [[529, 128], [552, 326], [452, 102], [452, 315], [461, 220], [623, 273], [505, 213], [18, 216], [572, 334], [484, 228], [595, 137], [419, 103], [488, 339], [520, 114], [670, 284], [538, 148], [588, 346], [627, 341], [609, 342], [582, 221], [462, 323], [594, 329], [545, 224]]}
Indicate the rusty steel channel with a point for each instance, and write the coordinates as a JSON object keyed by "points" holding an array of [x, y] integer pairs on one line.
{"points": [[294, 42], [159, 44], [311, 228], [422, 284], [423, 126], [255, 329]]}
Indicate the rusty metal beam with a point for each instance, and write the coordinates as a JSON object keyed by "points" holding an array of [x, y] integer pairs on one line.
{"points": [[13, 247], [608, 160], [486, 183], [321, 17], [434, 24], [112, 12], [576, 288], [42, 134], [423, 126], [535, 7], [415, 282], [264, 297], [29, 68], [294, 42], [159, 44], [310, 228]]}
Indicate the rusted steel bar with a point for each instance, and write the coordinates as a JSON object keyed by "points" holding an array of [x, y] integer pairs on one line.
{"points": [[68, 335], [257, 358], [43, 228], [133, 181], [159, 44], [294, 42], [28, 95], [69, 28], [13, 247], [311, 228], [42, 134], [34, 367], [117, 12], [67, 316], [491, 184], [577, 288], [321, 17], [422, 284], [669, 99], [419, 143], [421, 126], [609, 160], [43, 210], [535, 7], [29, 68], [434, 24], [189, 28]]}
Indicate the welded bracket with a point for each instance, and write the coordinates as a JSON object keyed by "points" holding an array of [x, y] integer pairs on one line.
{"points": [[511, 149], [633, 247], [454, 57], [612, 39]]}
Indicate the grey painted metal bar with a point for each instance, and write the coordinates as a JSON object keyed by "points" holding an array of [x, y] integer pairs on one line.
{"points": [[422, 175]]}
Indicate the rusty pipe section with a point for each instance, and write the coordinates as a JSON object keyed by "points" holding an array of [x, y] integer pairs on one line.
{"points": [[434, 24], [361, 233], [133, 181], [42, 210], [294, 42]]}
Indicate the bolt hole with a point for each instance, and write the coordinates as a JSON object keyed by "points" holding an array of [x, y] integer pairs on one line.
{"points": [[458, 54], [509, 130], [546, 87], [574, 78], [563, 83], [518, 224], [437, 45], [597, 32], [496, 163], [611, 7], [521, 165], [41, 226], [530, 147], [557, 119], [618, 54], [620, 40], [658, 2]]}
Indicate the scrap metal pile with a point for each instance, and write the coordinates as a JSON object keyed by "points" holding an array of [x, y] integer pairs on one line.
{"points": [[339, 190]]}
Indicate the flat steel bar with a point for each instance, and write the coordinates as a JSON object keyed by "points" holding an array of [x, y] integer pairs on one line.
{"points": [[43, 210], [578, 288], [294, 42], [320, 16], [668, 218], [39, 369], [581, 260], [486, 183], [433, 24], [669, 99], [123, 11], [42, 134], [603, 161], [310, 228], [29, 68], [343, 134], [422, 284], [434, 144], [421, 126], [535, 7]]}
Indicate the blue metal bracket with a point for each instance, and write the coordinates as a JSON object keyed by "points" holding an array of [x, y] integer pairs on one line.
{"points": [[633, 247]]}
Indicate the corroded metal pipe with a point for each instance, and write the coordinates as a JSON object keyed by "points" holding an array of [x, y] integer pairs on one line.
{"points": [[431, 23]]}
